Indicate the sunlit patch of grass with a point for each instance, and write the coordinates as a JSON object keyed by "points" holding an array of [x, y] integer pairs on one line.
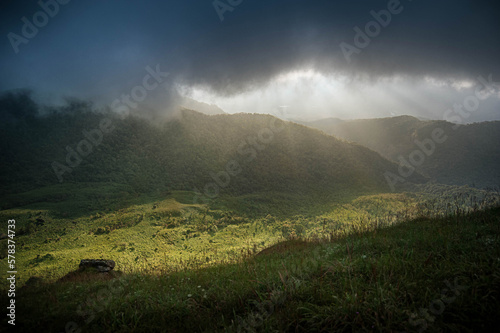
{"points": [[162, 232], [318, 268], [373, 281]]}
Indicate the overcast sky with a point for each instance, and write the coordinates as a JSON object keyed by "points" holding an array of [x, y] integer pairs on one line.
{"points": [[296, 58]]}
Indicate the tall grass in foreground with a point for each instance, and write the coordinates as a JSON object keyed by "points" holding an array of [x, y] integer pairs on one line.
{"points": [[426, 274]]}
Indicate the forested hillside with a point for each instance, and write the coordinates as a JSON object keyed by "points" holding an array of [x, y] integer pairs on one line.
{"points": [[469, 155], [240, 153]]}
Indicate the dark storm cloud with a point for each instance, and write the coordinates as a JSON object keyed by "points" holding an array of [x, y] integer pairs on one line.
{"points": [[101, 48]]}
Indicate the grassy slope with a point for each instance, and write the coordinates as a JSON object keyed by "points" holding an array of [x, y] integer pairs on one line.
{"points": [[389, 279], [166, 230]]}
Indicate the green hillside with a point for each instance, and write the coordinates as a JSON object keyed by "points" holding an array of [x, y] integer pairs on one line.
{"points": [[242, 153], [470, 155], [426, 274]]}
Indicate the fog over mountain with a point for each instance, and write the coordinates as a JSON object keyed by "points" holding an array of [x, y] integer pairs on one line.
{"points": [[314, 59]]}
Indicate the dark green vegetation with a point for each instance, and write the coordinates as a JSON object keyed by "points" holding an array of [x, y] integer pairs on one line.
{"points": [[183, 153], [469, 156]]}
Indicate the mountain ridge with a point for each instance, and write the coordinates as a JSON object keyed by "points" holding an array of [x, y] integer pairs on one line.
{"points": [[470, 148], [186, 152]]}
